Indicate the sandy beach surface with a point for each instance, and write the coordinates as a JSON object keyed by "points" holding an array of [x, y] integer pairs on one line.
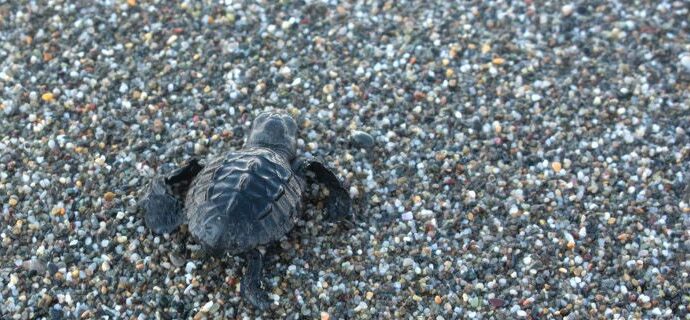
{"points": [[507, 159]]}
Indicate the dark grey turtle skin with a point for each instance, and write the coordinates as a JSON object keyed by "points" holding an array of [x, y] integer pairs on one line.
{"points": [[244, 199]]}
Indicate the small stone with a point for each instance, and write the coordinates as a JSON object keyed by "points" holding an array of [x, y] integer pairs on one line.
{"points": [[408, 262], [407, 216], [189, 267], [369, 295], [58, 211], [486, 48], [132, 3], [109, 196], [325, 315], [12, 202], [556, 166], [48, 97], [362, 306], [362, 139], [328, 89], [498, 61], [685, 61], [643, 298], [438, 300], [206, 307], [570, 245], [567, 10], [158, 126], [175, 259], [496, 303]]}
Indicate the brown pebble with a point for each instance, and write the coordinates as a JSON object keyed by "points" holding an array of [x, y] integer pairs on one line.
{"points": [[109, 196], [496, 303], [158, 126], [623, 237]]}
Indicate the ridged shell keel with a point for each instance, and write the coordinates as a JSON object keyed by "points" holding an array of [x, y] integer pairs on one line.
{"points": [[243, 199]]}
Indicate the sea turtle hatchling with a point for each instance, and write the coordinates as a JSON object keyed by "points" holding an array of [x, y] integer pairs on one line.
{"points": [[243, 199]]}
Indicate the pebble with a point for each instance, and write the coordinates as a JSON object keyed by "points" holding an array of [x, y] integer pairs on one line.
{"points": [[567, 10], [109, 196], [407, 216], [685, 61], [48, 97], [362, 306], [362, 139], [189, 267], [556, 166]]}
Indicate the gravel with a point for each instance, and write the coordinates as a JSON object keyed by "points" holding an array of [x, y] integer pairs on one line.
{"points": [[508, 159]]}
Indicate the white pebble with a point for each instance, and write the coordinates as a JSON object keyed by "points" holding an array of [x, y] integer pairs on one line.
{"points": [[567, 10], [361, 306], [408, 262], [189, 267], [643, 298], [207, 307], [685, 61]]}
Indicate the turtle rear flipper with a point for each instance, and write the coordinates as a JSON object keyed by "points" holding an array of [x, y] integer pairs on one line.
{"points": [[163, 198], [339, 203], [251, 282]]}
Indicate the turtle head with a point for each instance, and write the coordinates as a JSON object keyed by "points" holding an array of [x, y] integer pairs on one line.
{"points": [[276, 131]]}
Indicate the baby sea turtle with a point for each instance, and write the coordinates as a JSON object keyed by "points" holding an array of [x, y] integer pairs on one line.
{"points": [[244, 199]]}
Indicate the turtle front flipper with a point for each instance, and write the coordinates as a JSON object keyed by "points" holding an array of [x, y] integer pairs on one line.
{"points": [[251, 282], [339, 203], [163, 198]]}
